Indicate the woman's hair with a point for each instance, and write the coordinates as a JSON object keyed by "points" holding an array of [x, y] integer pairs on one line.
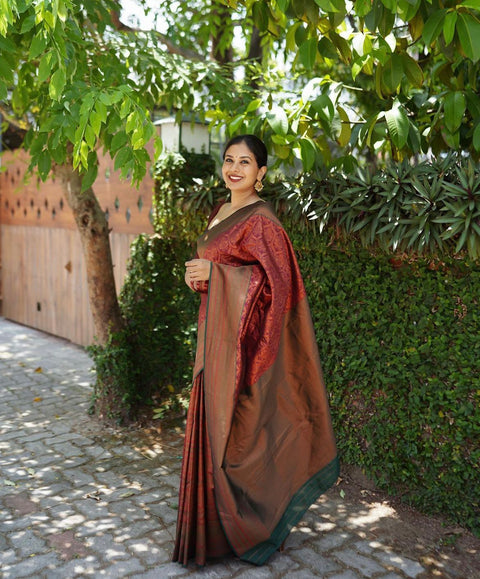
{"points": [[256, 146]]}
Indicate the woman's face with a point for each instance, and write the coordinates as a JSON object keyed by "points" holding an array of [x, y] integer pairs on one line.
{"points": [[240, 170]]}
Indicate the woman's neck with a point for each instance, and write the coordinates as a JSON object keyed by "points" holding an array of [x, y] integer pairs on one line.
{"points": [[238, 199]]}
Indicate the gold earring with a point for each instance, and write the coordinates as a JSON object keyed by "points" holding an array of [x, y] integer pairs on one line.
{"points": [[258, 186]]}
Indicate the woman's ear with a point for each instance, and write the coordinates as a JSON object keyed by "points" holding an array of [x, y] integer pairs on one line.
{"points": [[261, 173]]}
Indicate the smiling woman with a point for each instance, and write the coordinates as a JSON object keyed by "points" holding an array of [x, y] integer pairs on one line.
{"points": [[259, 446]]}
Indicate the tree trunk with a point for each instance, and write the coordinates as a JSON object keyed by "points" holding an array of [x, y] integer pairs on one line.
{"points": [[255, 53], [112, 391], [94, 235]]}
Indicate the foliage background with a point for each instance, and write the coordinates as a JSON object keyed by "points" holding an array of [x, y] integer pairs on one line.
{"points": [[397, 332], [398, 341]]}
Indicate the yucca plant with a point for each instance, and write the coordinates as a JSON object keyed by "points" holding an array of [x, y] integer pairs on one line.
{"points": [[421, 231], [460, 214]]}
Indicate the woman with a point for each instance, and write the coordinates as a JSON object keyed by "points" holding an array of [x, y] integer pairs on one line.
{"points": [[259, 447]]}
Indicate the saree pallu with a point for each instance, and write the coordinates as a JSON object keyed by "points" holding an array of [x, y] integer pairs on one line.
{"points": [[259, 445]]}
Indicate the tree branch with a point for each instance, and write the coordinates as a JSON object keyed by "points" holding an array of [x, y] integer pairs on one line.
{"points": [[17, 123]]}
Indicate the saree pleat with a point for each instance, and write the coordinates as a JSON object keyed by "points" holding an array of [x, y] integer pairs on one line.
{"points": [[199, 532]]}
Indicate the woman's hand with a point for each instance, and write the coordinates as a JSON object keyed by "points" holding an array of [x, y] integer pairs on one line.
{"points": [[198, 270]]}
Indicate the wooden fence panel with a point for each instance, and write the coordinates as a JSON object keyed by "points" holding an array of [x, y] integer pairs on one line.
{"points": [[43, 278]]}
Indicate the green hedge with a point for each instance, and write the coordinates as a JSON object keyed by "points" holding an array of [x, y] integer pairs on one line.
{"points": [[400, 349], [160, 313]]}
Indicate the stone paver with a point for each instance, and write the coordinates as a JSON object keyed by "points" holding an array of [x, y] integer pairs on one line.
{"points": [[77, 501]]}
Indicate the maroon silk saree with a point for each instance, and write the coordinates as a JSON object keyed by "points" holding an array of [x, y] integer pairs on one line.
{"points": [[259, 446]]}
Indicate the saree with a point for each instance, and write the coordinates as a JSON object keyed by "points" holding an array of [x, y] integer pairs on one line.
{"points": [[259, 445]]}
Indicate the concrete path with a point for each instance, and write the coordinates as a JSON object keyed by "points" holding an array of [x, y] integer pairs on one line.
{"points": [[79, 500]]}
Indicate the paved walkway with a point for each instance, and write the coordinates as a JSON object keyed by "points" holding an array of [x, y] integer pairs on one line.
{"points": [[78, 500]]}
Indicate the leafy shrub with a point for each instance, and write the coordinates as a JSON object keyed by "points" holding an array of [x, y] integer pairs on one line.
{"points": [[160, 314], [399, 344], [427, 208], [116, 378], [180, 177]]}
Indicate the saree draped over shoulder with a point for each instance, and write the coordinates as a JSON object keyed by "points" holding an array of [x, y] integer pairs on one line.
{"points": [[259, 446]]}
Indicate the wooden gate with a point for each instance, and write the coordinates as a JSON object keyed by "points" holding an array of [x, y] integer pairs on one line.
{"points": [[42, 275]]}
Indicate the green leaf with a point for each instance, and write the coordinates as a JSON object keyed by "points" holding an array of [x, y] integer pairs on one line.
{"points": [[282, 151], [300, 35], [7, 45], [454, 108], [44, 164], [28, 24], [393, 73], [474, 4], [326, 49], [346, 131], [398, 126], [278, 121], [308, 153], [449, 27], [123, 158], [412, 70], [323, 106], [253, 105], [342, 46], [119, 140], [291, 37], [88, 178], [433, 26], [101, 111], [125, 108], [476, 137], [47, 62], [386, 21], [95, 122], [90, 136], [298, 7], [468, 29], [407, 9], [6, 71], [451, 139], [235, 124], [363, 7], [261, 15], [330, 5], [308, 53], [133, 121], [3, 91], [138, 139], [414, 140], [39, 43], [473, 103], [57, 84], [283, 5]]}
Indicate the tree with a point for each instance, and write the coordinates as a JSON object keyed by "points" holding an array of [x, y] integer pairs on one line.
{"points": [[76, 82], [396, 76], [393, 76]]}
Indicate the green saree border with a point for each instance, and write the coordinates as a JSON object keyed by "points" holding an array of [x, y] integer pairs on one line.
{"points": [[299, 504]]}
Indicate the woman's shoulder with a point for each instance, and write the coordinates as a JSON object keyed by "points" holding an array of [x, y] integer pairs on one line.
{"points": [[265, 209]]}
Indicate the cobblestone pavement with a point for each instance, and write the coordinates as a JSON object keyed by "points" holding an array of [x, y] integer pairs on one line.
{"points": [[79, 500]]}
